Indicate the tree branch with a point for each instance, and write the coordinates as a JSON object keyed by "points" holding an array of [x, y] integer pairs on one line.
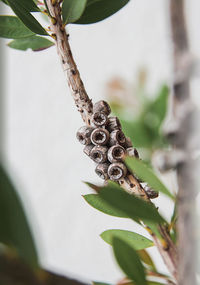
{"points": [[84, 105], [82, 101], [183, 119]]}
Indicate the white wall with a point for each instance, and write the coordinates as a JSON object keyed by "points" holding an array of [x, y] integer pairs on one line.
{"points": [[47, 162]]}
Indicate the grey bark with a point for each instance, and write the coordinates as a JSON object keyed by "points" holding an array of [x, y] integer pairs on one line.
{"points": [[182, 137]]}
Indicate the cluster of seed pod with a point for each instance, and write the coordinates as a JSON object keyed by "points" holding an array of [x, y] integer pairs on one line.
{"points": [[105, 143]]}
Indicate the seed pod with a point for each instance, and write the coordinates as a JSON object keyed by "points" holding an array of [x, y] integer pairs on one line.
{"points": [[116, 153], [131, 151], [128, 143], [87, 149], [113, 124], [152, 194], [83, 135], [99, 119], [99, 136], [102, 106], [116, 171], [117, 137], [102, 170], [99, 153]]}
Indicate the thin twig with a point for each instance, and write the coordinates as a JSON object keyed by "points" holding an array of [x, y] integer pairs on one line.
{"points": [[84, 105], [183, 116]]}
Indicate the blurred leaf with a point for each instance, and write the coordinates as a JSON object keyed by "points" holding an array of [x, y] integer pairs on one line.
{"points": [[13, 271], [35, 43], [96, 202], [144, 129], [98, 10], [146, 174], [158, 107], [26, 17], [129, 261], [14, 229], [138, 132], [131, 205], [135, 240], [72, 10], [146, 258], [12, 28], [4, 1]]}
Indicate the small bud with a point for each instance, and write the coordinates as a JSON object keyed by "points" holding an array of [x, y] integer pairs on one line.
{"points": [[117, 137], [99, 119], [99, 154], [87, 149], [116, 153], [128, 143], [83, 135], [113, 124], [102, 170], [131, 151], [116, 171], [100, 136], [152, 194], [102, 106]]}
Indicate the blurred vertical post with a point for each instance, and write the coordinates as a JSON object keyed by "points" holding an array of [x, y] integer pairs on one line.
{"points": [[2, 91], [183, 138]]}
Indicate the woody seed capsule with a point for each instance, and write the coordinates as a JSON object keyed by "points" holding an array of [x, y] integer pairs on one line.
{"points": [[83, 135], [102, 106], [131, 151], [87, 149], [100, 136], [116, 153], [117, 171], [99, 154], [102, 170], [113, 124], [117, 137], [99, 119]]}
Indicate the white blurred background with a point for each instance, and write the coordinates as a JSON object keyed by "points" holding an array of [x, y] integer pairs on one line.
{"points": [[41, 150]]}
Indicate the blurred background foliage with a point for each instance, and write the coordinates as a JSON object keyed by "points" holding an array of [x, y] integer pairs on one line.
{"points": [[142, 114]]}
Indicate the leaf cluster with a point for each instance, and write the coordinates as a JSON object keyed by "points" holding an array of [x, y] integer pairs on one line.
{"points": [[129, 248], [27, 32]]}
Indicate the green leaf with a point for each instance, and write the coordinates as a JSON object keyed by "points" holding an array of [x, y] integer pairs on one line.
{"points": [[131, 205], [27, 4], [72, 10], [26, 17], [12, 28], [14, 229], [129, 261], [146, 174], [135, 240], [146, 258], [35, 43], [96, 202], [98, 10]]}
